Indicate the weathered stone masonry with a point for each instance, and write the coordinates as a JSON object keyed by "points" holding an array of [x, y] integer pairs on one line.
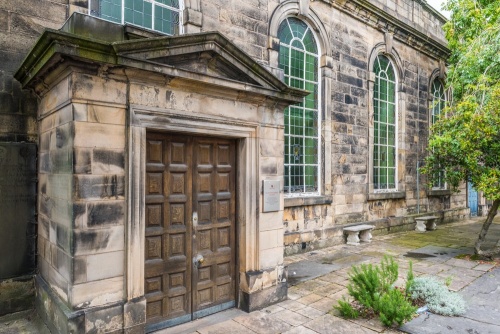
{"points": [[92, 101]]}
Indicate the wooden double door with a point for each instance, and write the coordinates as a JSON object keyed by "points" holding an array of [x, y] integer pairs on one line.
{"points": [[190, 228]]}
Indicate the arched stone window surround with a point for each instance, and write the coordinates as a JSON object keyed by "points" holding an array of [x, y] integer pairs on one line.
{"points": [[399, 191], [293, 8], [301, 10]]}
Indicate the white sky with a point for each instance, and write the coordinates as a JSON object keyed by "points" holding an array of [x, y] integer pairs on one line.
{"points": [[437, 5]]}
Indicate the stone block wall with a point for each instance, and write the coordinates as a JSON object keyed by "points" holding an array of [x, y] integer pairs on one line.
{"points": [[82, 194], [82, 156], [21, 23], [346, 113]]}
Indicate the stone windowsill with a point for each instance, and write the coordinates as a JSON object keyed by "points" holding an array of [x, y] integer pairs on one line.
{"points": [[307, 200], [386, 195], [439, 192]]}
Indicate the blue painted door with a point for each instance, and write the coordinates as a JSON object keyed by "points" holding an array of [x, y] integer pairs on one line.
{"points": [[472, 199]]}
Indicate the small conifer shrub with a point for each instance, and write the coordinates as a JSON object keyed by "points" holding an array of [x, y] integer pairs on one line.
{"points": [[372, 288]]}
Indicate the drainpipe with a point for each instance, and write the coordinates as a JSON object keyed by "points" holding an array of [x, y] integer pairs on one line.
{"points": [[418, 186], [418, 138]]}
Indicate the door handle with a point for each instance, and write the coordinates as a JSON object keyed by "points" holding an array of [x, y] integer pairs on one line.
{"points": [[195, 218], [198, 260]]}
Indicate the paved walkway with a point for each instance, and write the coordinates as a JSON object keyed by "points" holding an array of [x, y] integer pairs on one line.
{"points": [[318, 279]]}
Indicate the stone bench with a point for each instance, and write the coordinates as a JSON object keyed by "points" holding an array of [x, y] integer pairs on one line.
{"points": [[358, 232], [426, 223]]}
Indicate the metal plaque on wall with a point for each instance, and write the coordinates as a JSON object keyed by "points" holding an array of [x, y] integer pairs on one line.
{"points": [[17, 208], [271, 196]]}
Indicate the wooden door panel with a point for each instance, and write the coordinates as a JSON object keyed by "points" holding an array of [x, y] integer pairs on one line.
{"points": [[168, 227], [186, 175], [214, 201]]}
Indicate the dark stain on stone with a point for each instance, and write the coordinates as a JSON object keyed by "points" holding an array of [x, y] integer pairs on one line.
{"points": [[135, 311], [82, 163], [91, 240], [168, 95], [81, 3], [105, 214], [108, 157], [62, 237], [416, 255], [60, 138], [78, 211]]}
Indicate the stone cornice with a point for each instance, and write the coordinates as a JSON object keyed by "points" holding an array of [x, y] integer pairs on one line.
{"points": [[367, 12], [55, 49]]}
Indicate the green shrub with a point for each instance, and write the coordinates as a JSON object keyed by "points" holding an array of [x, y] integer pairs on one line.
{"points": [[346, 310], [395, 308], [365, 284], [437, 296], [368, 282], [410, 277], [372, 288]]}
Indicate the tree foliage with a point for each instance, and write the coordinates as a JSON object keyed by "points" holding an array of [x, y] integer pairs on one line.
{"points": [[465, 141]]}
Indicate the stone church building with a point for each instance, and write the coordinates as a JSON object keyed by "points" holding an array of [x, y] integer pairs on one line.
{"points": [[161, 157]]}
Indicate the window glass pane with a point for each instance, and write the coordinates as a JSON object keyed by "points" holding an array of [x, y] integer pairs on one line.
{"points": [[311, 173], [110, 10], [139, 12], [309, 42], [298, 27], [296, 83], [284, 60], [297, 63], [391, 113], [391, 179], [170, 3], [384, 141], [311, 99], [391, 135], [382, 111], [311, 123], [295, 120], [166, 20], [383, 178], [284, 33], [311, 68], [392, 92], [437, 105], [297, 44], [301, 120]]}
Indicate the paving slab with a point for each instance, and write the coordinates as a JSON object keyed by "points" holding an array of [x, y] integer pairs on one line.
{"points": [[226, 327], [481, 317], [438, 253], [195, 325], [312, 312], [329, 324], [436, 324], [306, 270], [483, 267], [300, 330], [291, 317], [22, 322], [263, 323]]}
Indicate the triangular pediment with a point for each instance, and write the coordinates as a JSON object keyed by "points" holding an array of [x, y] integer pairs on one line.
{"points": [[205, 59], [205, 53]]}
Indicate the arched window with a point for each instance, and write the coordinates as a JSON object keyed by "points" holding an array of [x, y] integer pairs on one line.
{"points": [[438, 103], [298, 58], [385, 126]]}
